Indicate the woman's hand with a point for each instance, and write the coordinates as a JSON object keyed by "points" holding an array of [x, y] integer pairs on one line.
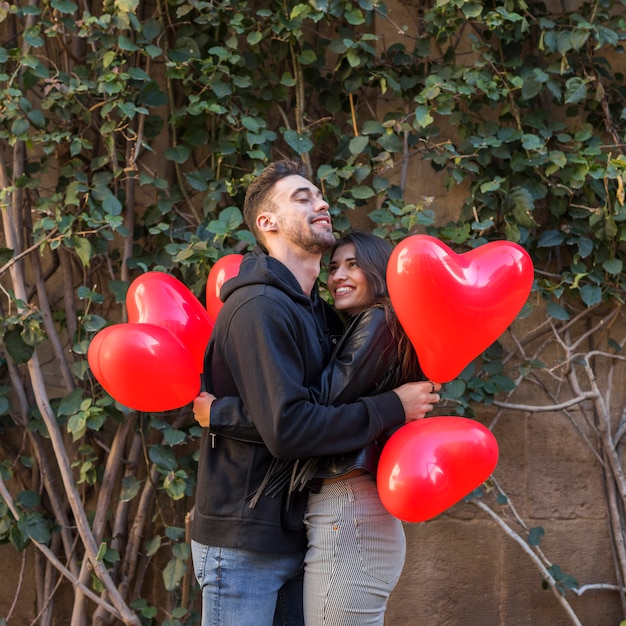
{"points": [[202, 408], [418, 399]]}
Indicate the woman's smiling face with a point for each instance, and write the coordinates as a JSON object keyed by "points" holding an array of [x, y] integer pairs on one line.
{"points": [[347, 283]]}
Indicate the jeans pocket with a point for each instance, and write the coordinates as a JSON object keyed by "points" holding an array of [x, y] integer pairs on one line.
{"points": [[198, 555]]}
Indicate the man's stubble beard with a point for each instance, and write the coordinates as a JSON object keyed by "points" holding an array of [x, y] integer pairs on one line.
{"points": [[312, 241]]}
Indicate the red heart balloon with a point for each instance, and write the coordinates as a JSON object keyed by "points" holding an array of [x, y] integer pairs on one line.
{"points": [[428, 465], [144, 367], [454, 306], [160, 299], [225, 268]]}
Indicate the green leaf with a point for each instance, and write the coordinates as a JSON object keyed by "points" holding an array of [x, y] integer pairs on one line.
{"points": [[614, 344], [152, 546], [362, 192], [5, 405], [71, 403], [591, 294], [101, 551], [175, 533], [93, 323], [112, 205], [179, 154], [130, 488], [585, 247], [575, 90], [557, 311], [298, 143], [550, 238], [149, 613], [531, 88], [523, 205], [232, 217], [579, 38], [181, 551], [566, 580], [535, 535], [197, 180], [18, 538], [564, 41], [307, 57], [34, 526], [472, 10], [28, 499], [287, 79], [173, 574], [613, 266], [163, 457], [390, 142], [6, 254], [64, 6], [128, 6], [173, 436], [17, 348], [82, 247], [175, 484], [454, 389], [423, 117], [358, 144], [254, 37], [20, 126], [119, 289], [77, 426]]}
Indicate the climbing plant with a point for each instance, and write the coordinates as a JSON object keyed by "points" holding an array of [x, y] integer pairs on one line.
{"points": [[129, 132]]}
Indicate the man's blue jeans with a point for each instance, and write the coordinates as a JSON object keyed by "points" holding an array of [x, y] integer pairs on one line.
{"points": [[240, 587]]}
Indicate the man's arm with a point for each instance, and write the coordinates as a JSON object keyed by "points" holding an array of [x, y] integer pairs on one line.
{"points": [[364, 356]]}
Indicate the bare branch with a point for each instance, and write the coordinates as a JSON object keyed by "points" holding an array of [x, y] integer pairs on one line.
{"points": [[533, 557], [530, 408]]}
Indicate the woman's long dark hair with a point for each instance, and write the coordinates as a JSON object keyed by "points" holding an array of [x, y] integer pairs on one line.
{"points": [[372, 254]]}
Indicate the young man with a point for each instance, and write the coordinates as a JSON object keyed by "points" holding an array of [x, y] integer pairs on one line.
{"points": [[271, 340]]}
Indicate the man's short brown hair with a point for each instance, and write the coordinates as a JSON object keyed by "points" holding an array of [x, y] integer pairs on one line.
{"points": [[258, 195]]}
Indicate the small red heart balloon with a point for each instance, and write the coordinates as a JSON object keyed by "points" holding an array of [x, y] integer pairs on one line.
{"points": [[428, 465], [454, 306], [160, 299], [144, 367], [225, 268]]}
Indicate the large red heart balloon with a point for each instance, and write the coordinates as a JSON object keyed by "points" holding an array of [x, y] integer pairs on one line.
{"points": [[144, 367], [428, 465], [225, 268], [454, 306], [160, 299]]}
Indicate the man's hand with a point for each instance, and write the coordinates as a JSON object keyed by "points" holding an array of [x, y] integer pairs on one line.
{"points": [[202, 408], [418, 398]]}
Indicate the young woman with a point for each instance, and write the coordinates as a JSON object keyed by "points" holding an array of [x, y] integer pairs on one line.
{"points": [[356, 549]]}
